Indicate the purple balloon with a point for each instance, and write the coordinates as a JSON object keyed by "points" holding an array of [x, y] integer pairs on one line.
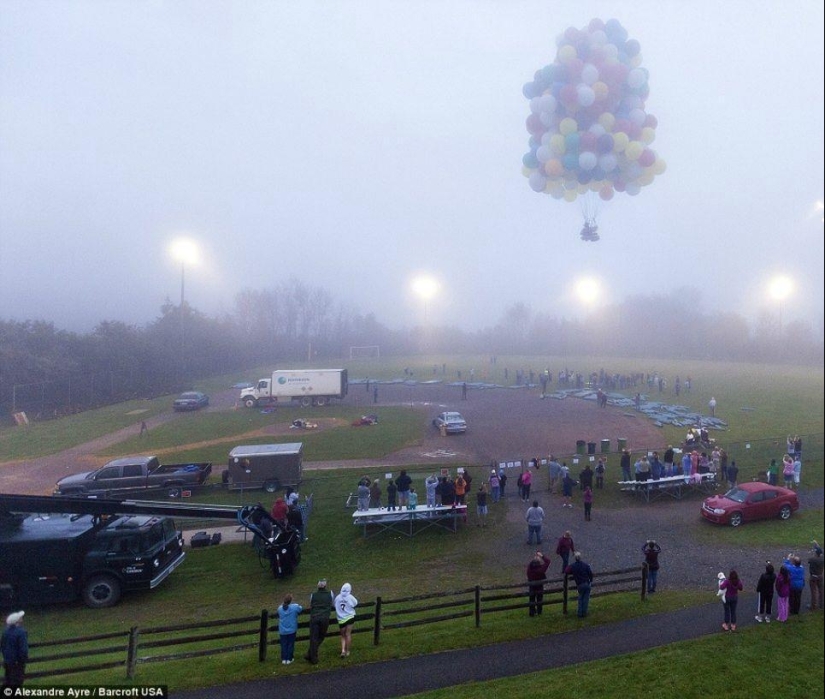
{"points": [[605, 143]]}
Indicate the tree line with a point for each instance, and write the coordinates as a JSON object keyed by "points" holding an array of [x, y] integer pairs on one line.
{"points": [[57, 370]]}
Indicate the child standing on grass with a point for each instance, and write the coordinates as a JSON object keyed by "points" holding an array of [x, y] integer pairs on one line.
{"points": [[481, 505], [588, 502]]}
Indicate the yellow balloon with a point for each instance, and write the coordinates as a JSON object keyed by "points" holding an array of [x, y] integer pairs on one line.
{"points": [[620, 141], [554, 167], [659, 166], [645, 178], [607, 120], [570, 194], [568, 126], [601, 91], [634, 150], [582, 189], [526, 171], [648, 135], [554, 189], [566, 54], [636, 61], [557, 145], [594, 185]]}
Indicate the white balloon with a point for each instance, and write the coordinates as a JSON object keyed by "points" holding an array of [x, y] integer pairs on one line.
{"points": [[637, 116], [590, 73], [545, 138], [608, 162], [586, 95], [587, 160], [611, 52], [535, 105], [636, 78], [547, 103], [537, 182], [633, 189], [597, 130], [543, 154], [598, 38], [549, 119]]}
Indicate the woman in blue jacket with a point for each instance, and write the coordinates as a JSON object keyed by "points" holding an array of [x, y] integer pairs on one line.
{"points": [[288, 628]]}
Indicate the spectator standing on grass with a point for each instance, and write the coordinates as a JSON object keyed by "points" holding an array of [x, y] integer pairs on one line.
{"points": [[712, 406], [288, 628], [583, 576], [733, 473], [345, 605], [564, 547], [363, 495], [526, 482], [587, 498], [460, 489], [773, 472], [494, 486], [567, 486], [797, 471], [534, 517], [554, 473], [600, 474], [764, 590], [586, 477], [536, 575], [447, 492], [815, 576], [651, 551], [783, 594], [787, 470], [403, 483], [793, 564], [732, 585], [320, 609], [502, 481], [481, 505], [15, 649]]}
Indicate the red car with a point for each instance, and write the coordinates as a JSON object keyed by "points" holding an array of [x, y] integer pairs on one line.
{"points": [[749, 501]]}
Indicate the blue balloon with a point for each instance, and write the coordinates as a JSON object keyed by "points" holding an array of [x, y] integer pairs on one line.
{"points": [[604, 143], [583, 177], [529, 90], [533, 144], [597, 174], [548, 73], [570, 161], [571, 143], [530, 160]]}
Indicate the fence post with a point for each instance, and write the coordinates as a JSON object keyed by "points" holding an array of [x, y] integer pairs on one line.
{"points": [[644, 580], [477, 600], [131, 652], [565, 588], [264, 636], [376, 628]]}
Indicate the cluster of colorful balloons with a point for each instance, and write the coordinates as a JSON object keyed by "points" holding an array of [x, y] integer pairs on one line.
{"points": [[589, 131]]}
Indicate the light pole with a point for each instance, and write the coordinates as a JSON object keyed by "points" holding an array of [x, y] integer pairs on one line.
{"points": [[185, 251], [426, 288], [780, 288]]}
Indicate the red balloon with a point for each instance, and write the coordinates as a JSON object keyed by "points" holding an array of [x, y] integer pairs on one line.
{"points": [[572, 34], [587, 141], [634, 131], [575, 67], [622, 125], [647, 158], [619, 185], [568, 95], [651, 121], [595, 24], [534, 125]]}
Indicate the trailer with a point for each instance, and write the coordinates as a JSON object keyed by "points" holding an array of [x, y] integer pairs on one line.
{"points": [[267, 466]]}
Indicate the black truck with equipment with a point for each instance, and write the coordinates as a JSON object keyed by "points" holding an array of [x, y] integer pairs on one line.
{"points": [[57, 549]]}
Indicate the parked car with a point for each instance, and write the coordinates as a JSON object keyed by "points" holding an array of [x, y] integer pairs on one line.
{"points": [[191, 400], [750, 501], [452, 423]]}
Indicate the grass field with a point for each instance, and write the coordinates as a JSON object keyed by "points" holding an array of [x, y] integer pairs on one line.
{"points": [[780, 400]]}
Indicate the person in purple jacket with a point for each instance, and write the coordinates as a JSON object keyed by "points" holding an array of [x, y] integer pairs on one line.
{"points": [[732, 586]]}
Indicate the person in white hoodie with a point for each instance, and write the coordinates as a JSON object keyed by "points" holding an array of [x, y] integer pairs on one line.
{"points": [[345, 605]]}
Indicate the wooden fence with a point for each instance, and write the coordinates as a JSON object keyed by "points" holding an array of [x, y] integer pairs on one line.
{"points": [[259, 632]]}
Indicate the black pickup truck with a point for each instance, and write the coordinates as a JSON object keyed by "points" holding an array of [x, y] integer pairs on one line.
{"points": [[134, 472]]}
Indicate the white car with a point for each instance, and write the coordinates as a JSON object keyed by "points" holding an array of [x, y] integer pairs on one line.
{"points": [[453, 423]]}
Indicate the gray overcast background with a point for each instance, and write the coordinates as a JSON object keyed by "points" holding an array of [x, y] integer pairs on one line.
{"points": [[355, 144]]}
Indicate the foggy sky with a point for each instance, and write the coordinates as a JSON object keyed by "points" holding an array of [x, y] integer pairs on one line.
{"points": [[353, 145]]}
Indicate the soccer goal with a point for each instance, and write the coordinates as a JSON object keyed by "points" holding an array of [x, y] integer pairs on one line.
{"points": [[365, 352]]}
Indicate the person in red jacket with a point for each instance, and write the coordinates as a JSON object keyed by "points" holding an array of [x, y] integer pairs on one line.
{"points": [[536, 575]]}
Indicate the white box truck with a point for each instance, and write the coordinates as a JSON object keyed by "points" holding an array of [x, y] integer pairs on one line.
{"points": [[306, 386]]}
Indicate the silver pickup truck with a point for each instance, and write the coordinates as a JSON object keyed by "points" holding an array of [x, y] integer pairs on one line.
{"points": [[134, 472]]}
